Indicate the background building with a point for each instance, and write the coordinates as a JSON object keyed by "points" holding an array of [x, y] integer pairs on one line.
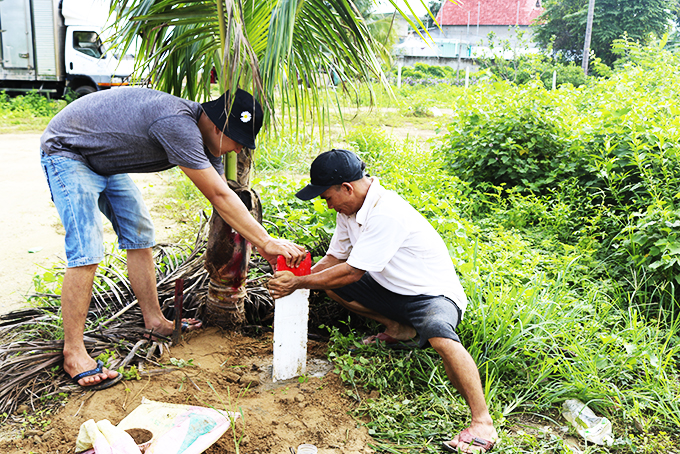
{"points": [[465, 27]]}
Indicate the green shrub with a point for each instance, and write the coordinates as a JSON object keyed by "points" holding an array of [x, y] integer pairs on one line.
{"points": [[513, 136], [650, 247], [531, 67], [425, 71], [32, 104]]}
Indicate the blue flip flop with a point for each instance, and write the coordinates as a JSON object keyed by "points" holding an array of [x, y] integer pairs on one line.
{"points": [[186, 325], [97, 370]]}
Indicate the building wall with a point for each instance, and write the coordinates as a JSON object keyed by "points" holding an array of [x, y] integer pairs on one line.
{"points": [[479, 35]]}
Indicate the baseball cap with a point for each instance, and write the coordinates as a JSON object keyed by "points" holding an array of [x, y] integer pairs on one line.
{"points": [[244, 120], [331, 168]]}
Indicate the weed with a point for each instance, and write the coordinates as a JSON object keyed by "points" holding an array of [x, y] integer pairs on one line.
{"points": [[107, 356], [38, 420], [131, 374], [182, 363], [237, 437]]}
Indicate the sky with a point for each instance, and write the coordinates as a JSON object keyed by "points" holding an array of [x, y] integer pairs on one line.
{"points": [[386, 7]]}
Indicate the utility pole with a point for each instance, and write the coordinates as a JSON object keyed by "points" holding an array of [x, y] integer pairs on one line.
{"points": [[589, 31]]}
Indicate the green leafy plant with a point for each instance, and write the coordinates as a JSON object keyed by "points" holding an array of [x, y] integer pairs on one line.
{"points": [[517, 137], [182, 362], [131, 374]]}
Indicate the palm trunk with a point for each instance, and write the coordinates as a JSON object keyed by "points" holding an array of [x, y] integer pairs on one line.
{"points": [[227, 256]]}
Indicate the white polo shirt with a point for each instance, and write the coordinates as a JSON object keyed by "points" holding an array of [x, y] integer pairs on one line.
{"points": [[390, 240]]}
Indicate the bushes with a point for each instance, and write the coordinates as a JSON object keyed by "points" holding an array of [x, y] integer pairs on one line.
{"points": [[425, 71], [424, 74], [615, 145], [510, 136], [32, 103], [531, 67]]}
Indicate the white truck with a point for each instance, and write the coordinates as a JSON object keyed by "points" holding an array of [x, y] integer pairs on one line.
{"points": [[49, 45]]}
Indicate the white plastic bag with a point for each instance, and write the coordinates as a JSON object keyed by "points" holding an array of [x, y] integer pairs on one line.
{"points": [[185, 429], [594, 429], [104, 438]]}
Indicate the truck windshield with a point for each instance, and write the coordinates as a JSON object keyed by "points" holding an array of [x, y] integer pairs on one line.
{"points": [[88, 43]]}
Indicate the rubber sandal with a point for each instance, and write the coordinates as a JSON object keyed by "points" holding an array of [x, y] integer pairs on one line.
{"points": [[466, 437], [107, 383]]}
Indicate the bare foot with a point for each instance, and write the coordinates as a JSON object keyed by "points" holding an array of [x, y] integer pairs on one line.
{"points": [[166, 327], [393, 334], [75, 366], [478, 438]]}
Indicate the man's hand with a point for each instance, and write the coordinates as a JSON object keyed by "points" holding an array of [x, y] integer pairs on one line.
{"points": [[293, 253], [282, 284]]}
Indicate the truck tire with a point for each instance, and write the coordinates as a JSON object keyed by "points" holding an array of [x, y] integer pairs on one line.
{"points": [[84, 90]]}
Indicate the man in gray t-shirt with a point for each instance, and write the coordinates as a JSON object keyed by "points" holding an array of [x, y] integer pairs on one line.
{"points": [[87, 151]]}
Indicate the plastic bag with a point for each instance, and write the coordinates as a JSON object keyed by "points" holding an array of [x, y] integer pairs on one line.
{"points": [[177, 428], [593, 428], [104, 438]]}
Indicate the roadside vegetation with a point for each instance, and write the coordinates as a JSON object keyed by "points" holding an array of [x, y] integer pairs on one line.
{"points": [[29, 112], [560, 211]]}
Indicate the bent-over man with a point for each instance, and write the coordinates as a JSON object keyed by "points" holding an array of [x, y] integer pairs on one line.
{"points": [[387, 263], [87, 151]]}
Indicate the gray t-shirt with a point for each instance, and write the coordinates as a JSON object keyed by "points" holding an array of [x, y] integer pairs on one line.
{"points": [[130, 130]]}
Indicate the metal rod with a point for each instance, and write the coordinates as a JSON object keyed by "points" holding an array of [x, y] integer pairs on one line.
{"points": [[179, 300]]}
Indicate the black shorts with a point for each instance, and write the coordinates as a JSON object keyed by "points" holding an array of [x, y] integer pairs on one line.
{"points": [[431, 316]]}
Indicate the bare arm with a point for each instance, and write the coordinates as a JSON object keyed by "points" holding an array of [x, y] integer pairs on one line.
{"points": [[335, 276], [326, 262], [233, 211]]}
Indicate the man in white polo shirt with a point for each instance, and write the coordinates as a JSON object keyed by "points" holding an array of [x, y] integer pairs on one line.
{"points": [[387, 263]]}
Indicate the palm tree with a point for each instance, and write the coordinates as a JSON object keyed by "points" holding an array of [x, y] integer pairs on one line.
{"points": [[264, 46], [282, 51]]}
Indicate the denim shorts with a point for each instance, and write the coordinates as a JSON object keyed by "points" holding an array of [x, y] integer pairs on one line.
{"points": [[80, 195], [431, 316]]}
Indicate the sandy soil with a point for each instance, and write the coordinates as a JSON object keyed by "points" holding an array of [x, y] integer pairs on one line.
{"points": [[29, 220], [276, 416]]}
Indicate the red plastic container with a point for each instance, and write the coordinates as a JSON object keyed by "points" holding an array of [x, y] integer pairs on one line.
{"points": [[304, 269]]}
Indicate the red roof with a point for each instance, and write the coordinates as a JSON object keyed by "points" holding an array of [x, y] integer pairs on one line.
{"points": [[489, 12]]}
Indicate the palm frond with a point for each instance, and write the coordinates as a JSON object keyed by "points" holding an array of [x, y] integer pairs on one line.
{"points": [[272, 47]]}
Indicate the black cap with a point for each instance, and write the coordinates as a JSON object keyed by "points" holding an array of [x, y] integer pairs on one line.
{"points": [[245, 117], [331, 168]]}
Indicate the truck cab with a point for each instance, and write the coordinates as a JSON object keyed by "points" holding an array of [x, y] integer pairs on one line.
{"points": [[50, 45], [89, 65]]}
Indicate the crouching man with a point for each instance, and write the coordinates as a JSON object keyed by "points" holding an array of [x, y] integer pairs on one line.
{"points": [[387, 263]]}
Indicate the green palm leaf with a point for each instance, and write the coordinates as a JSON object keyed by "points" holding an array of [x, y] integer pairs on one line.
{"points": [[266, 47]]}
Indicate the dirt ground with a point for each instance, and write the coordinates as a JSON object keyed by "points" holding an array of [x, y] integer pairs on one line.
{"points": [[276, 416]]}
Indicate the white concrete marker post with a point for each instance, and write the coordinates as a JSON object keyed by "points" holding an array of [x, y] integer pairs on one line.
{"points": [[291, 314], [290, 335]]}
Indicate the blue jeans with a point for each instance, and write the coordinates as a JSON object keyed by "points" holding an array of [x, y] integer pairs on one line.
{"points": [[80, 195]]}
